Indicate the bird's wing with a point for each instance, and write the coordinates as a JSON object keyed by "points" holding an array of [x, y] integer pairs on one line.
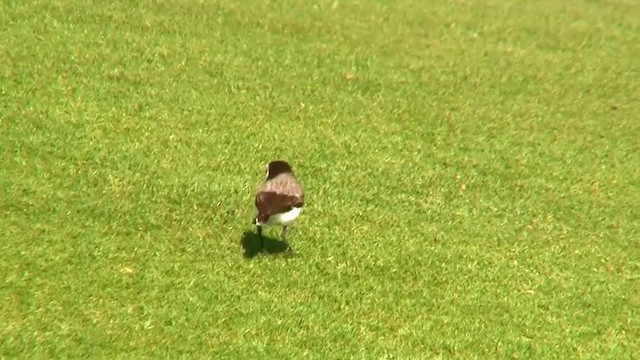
{"points": [[283, 184], [269, 203]]}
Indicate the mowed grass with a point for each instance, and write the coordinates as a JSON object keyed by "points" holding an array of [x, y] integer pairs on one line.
{"points": [[472, 171]]}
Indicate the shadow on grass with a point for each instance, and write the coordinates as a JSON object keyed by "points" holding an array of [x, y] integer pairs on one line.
{"points": [[251, 244]]}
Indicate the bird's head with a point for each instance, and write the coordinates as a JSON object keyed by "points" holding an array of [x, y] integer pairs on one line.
{"points": [[276, 168]]}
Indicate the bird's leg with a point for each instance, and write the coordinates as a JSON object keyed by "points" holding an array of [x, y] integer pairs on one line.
{"points": [[285, 231], [260, 236]]}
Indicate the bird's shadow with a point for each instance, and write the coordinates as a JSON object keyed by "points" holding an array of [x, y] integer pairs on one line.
{"points": [[251, 244]]}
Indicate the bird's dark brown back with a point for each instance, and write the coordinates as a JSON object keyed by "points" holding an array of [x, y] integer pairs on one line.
{"points": [[270, 203], [278, 195], [283, 184]]}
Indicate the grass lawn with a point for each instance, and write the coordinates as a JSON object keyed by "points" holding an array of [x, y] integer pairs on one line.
{"points": [[472, 171]]}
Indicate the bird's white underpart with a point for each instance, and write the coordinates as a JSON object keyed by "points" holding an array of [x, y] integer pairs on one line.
{"points": [[283, 219]]}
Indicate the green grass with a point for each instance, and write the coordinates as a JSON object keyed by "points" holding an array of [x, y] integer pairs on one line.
{"points": [[472, 171]]}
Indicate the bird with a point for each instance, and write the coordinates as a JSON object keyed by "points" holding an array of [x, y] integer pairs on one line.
{"points": [[278, 200]]}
